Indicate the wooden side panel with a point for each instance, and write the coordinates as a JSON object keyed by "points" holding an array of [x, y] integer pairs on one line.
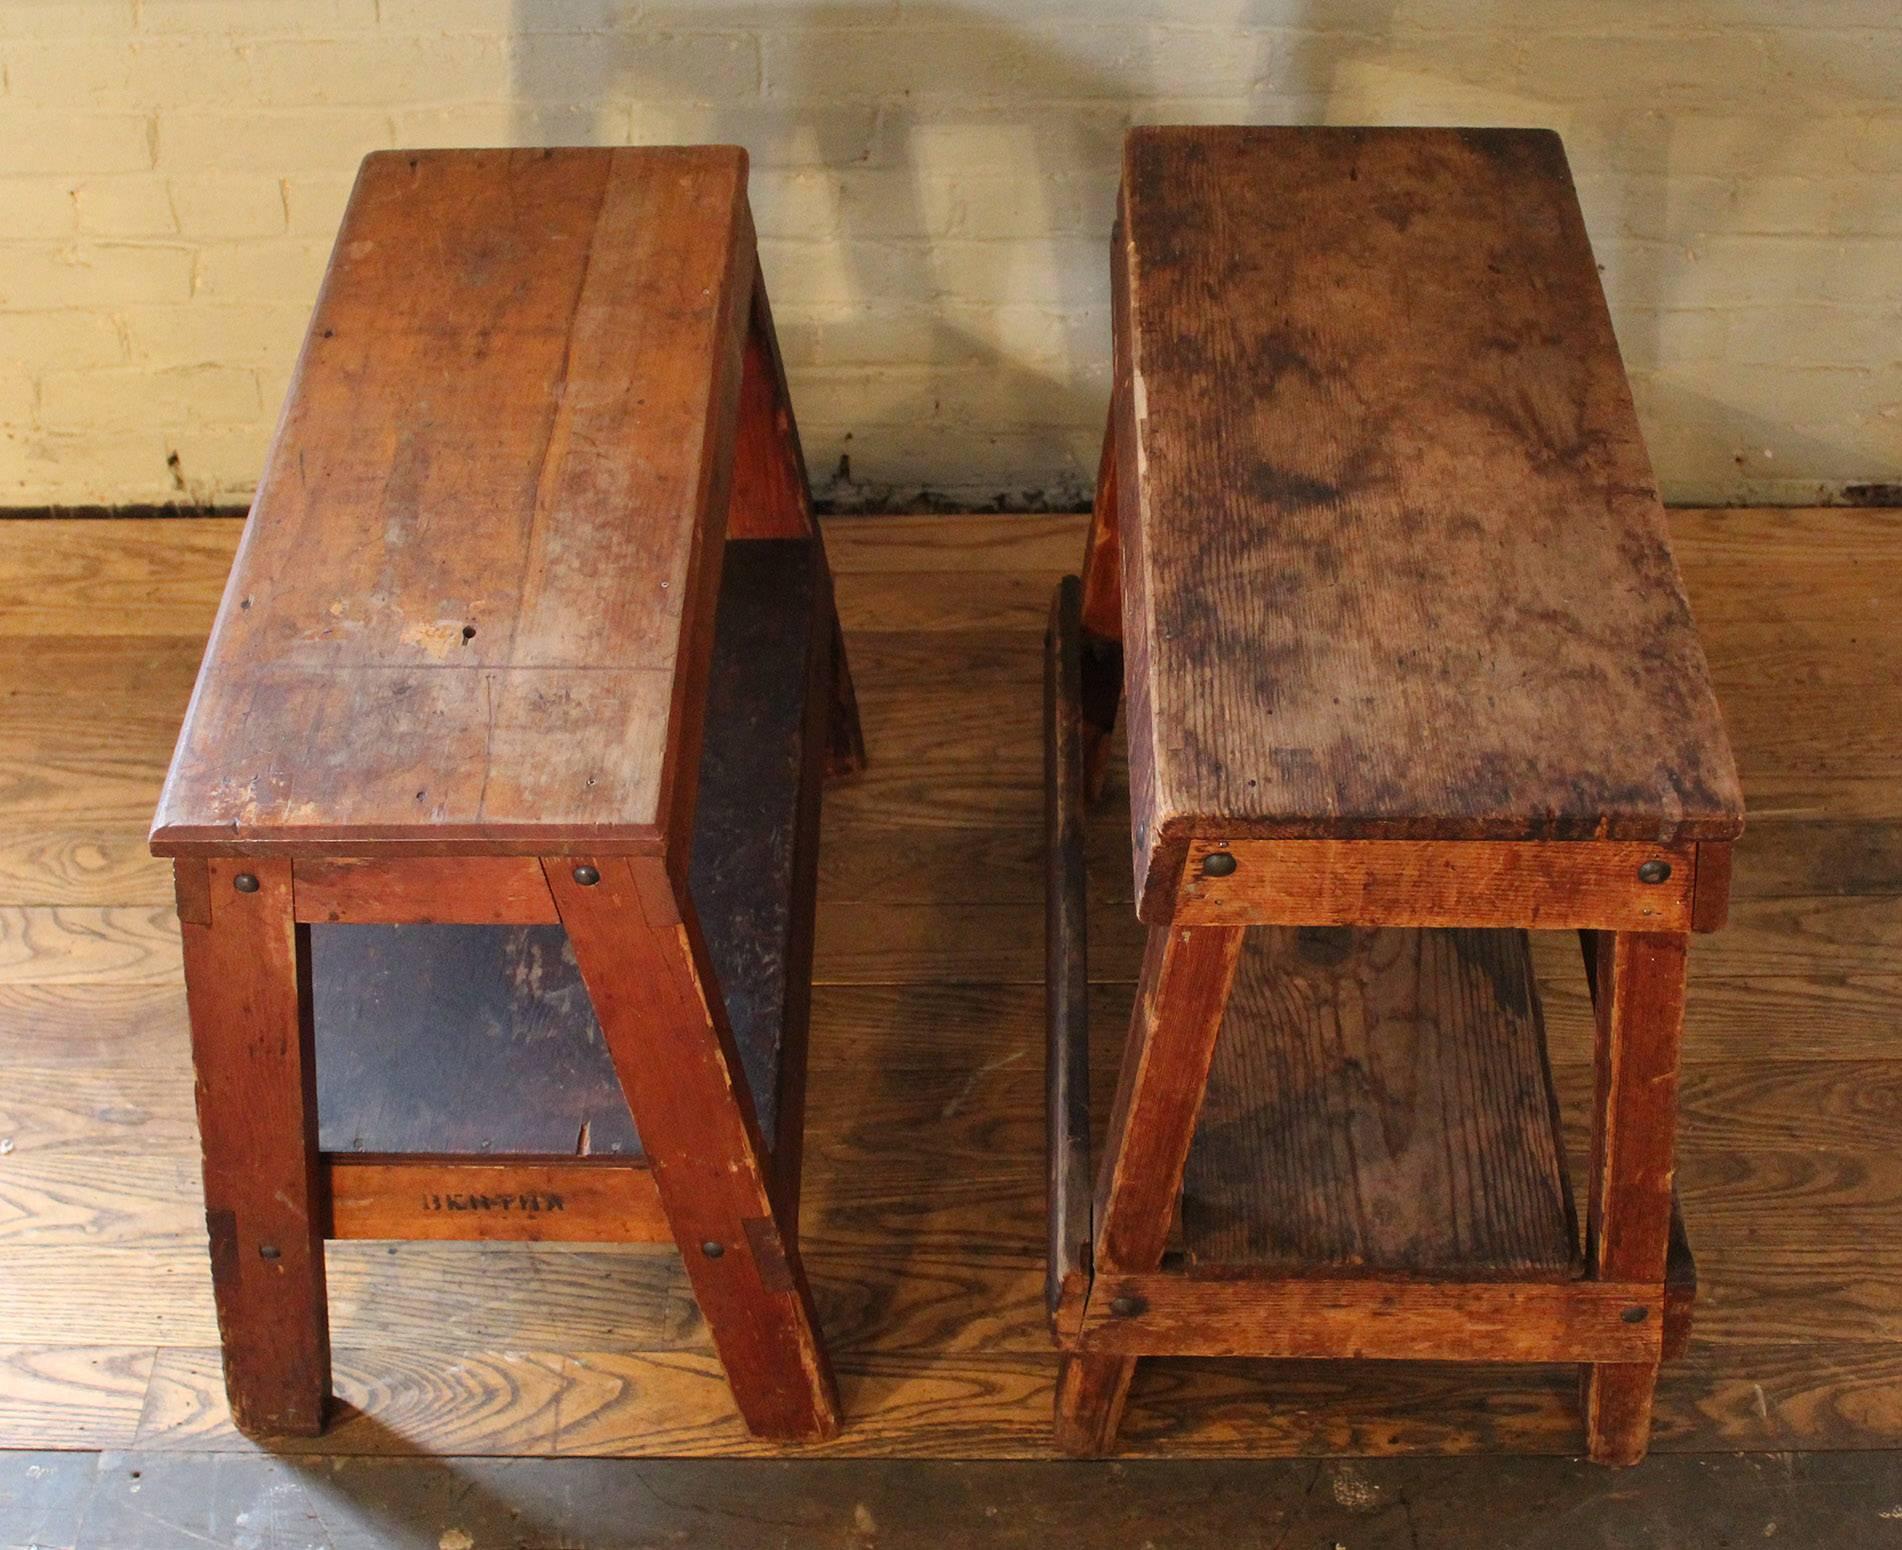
{"points": [[247, 979], [480, 1199], [770, 498], [1710, 908], [1381, 1100], [1540, 885], [653, 990], [1639, 1002], [1372, 1318], [1066, 968], [423, 890]]}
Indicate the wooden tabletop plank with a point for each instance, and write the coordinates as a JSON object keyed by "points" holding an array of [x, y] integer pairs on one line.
{"points": [[479, 573], [1395, 565]]}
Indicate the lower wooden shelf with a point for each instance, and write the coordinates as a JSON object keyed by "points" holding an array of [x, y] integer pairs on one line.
{"points": [[1381, 1101], [477, 1045]]}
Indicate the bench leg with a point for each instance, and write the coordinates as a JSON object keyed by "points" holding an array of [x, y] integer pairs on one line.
{"points": [[660, 1011], [247, 983], [1102, 615], [1180, 999], [1638, 983], [772, 499]]}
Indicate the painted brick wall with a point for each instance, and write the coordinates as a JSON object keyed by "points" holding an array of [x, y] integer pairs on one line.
{"points": [[933, 184]]}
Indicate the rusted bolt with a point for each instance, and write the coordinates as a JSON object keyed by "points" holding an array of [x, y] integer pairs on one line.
{"points": [[1654, 872], [1125, 1307], [1218, 863], [270, 1251], [587, 876], [245, 882], [1635, 1315]]}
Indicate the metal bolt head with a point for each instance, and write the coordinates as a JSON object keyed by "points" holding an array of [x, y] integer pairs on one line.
{"points": [[1125, 1307], [270, 1251], [587, 876], [1654, 872], [1635, 1315], [712, 1249], [1218, 863], [245, 882]]}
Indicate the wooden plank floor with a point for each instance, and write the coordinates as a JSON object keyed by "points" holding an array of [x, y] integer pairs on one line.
{"points": [[924, 1177]]}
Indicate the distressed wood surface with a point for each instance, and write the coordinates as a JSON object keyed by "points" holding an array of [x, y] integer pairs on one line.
{"points": [[927, 1261], [475, 606], [1333, 627], [1381, 1100]]}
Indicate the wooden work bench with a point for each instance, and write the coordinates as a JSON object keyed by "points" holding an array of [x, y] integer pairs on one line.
{"points": [[495, 811], [1379, 570]]}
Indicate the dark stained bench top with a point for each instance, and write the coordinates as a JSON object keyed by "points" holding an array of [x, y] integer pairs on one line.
{"points": [[474, 599], [1394, 562]]}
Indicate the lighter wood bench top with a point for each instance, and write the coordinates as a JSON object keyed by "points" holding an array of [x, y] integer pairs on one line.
{"points": [[1394, 563], [474, 601]]}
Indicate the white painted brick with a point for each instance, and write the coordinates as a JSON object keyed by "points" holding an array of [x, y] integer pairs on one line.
{"points": [[62, 143], [314, 204], [133, 205], [37, 208], [1791, 335], [217, 206], [277, 143], [933, 187], [256, 18], [71, 337], [39, 468], [18, 399], [92, 274], [507, 123], [131, 396], [274, 273], [822, 136], [218, 464], [202, 333], [37, 19], [562, 69]]}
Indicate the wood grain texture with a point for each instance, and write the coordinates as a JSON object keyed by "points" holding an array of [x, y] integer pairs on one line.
{"points": [[1066, 961], [563, 1200], [247, 975], [1638, 991], [1395, 566], [1537, 884], [387, 672], [423, 890], [648, 974], [1372, 1318], [927, 1260], [1380, 1099]]}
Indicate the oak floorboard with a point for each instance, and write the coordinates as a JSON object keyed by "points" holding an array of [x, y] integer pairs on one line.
{"points": [[926, 1259]]}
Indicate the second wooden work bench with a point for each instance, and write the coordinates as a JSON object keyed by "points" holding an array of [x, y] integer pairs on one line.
{"points": [[1378, 566]]}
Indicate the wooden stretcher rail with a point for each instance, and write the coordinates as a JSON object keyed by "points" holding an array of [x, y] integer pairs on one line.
{"points": [[1539, 884], [1066, 967], [534, 1199], [1170, 1314]]}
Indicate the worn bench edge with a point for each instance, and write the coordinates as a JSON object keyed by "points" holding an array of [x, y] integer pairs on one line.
{"points": [[191, 840]]}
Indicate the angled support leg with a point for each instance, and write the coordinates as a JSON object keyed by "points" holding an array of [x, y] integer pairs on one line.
{"points": [[660, 1010], [247, 983], [1186, 974], [772, 499], [1638, 996], [1103, 611]]}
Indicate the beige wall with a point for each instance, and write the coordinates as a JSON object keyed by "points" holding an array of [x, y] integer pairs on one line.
{"points": [[933, 184]]}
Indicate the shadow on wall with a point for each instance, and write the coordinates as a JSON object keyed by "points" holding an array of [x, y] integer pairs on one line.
{"points": [[934, 186]]}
